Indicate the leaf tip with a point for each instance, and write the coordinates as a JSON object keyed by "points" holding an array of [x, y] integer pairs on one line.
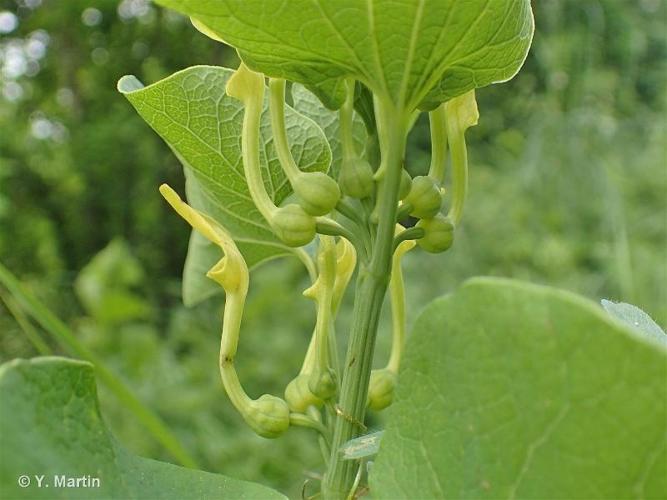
{"points": [[128, 84]]}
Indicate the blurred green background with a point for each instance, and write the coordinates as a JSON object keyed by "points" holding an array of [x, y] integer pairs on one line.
{"points": [[568, 188]]}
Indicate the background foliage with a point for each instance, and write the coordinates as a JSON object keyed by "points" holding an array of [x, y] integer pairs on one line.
{"points": [[567, 188]]}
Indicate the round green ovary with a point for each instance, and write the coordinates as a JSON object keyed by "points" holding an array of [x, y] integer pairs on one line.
{"points": [[298, 395], [425, 197], [317, 192], [439, 234], [268, 416], [356, 178], [381, 389], [322, 384], [293, 225]]}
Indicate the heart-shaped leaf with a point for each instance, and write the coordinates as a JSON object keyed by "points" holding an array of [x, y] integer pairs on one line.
{"points": [[53, 434], [202, 125], [510, 390], [403, 51]]}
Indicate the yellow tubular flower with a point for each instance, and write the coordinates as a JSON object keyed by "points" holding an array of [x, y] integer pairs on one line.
{"points": [[322, 382], [290, 223], [268, 415], [460, 114], [298, 394], [382, 382], [346, 262]]}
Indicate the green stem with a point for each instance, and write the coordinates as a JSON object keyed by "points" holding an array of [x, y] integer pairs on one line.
{"points": [[329, 227], [305, 421], [370, 292], [349, 211], [68, 340], [403, 211], [413, 233]]}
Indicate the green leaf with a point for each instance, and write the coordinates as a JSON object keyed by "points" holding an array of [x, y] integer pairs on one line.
{"points": [[70, 342], [306, 103], [105, 285], [202, 125], [51, 426], [636, 318], [510, 390], [401, 50]]}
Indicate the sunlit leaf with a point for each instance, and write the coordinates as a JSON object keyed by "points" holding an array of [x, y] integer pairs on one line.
{"points": [[402, 51], [510, 390]]}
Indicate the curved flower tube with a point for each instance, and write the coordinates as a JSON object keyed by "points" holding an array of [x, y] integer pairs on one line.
{"points": [[356, 174], [322, 382], [290, 223], [383, 381], [298, 394], [438, 124], [318, 193], [461, 114], [268, 415], [346, 262]]}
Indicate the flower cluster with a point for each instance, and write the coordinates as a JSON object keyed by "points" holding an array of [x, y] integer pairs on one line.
{"points": [[340, 216]]}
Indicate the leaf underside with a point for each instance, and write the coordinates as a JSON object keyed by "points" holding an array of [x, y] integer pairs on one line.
{"points": [[412, 53], [510, 390], [51, 426], [636, 318], [308, 104], [202, 125]]}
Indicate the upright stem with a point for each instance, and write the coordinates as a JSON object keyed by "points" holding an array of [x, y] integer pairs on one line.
{"points": [[370, 292]]}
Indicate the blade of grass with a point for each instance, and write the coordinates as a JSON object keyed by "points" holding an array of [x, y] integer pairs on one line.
{"points": [[66, 338], [24, 323]]}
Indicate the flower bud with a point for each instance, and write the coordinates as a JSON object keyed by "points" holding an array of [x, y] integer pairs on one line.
{"points": [[356, 178], [318, 193], [439, 234], [425, 197], [298, 395], [322, 384], [293, 225], [381, 389], [406, 184], [268, 416]]}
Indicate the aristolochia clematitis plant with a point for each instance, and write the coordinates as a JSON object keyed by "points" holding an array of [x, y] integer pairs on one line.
{"points": [[361, 73]]}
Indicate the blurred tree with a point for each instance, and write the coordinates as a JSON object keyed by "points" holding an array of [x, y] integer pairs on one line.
{"points": [[78, 168]]}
